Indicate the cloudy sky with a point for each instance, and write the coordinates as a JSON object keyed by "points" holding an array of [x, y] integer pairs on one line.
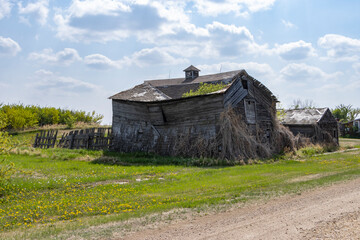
{"points": [[75, 54]]}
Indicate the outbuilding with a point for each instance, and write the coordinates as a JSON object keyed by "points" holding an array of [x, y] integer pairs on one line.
{"points": [[156, 117], [318, 124]]}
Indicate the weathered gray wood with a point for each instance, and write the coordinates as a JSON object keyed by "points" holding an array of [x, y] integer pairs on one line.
{"points": [[45, 139], [156, 126]]}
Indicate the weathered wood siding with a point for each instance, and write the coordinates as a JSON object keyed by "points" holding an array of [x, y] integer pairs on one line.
{"points": [[307, 130], [329, 126], [155, 127], [158, 126], [257, 108], [235, 94], [324, 131]]}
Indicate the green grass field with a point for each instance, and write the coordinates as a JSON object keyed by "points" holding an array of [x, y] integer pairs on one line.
{"points": [[57, 190]]}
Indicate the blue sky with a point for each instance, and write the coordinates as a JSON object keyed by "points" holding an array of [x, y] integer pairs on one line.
{"points": [[75, 54]]}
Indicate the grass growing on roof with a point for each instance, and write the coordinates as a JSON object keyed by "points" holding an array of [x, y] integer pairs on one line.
{"points": [[205, 88]]}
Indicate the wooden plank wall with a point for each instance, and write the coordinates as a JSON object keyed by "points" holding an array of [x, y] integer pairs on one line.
{"points": [[156, 126], [235, 94], [160, 124]]}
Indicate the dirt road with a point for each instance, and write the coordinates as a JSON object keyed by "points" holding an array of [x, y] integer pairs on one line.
{"points": [[331, 212]]}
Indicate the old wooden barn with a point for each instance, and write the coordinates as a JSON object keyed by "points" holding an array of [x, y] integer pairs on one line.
{"points": [[154, 117], [318, 124]]}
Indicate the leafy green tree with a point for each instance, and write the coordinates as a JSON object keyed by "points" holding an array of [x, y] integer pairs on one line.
{"points": [[345, 113], [300, 104], [4, 137], [19, 116], [6, 168]]}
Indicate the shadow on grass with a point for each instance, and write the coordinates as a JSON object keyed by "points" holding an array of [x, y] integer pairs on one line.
{"points": [[148, 159]]}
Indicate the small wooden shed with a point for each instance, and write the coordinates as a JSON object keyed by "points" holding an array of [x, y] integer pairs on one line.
{"points": [[318, 124], [154, 117]]}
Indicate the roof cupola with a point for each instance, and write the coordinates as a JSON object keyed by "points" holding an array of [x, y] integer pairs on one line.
{"points": [[191, 73]]}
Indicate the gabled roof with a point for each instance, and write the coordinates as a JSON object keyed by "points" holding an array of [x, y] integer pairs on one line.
{"points": [[167, 89], [225, 76], [158, 90], [303, 116], [191, 68]]}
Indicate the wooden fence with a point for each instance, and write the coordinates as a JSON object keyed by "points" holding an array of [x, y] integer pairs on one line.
{"points": [[45, 139], [94, 138]]}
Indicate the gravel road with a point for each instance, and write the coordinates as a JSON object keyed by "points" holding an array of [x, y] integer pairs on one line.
{"points": [[331, 212]]}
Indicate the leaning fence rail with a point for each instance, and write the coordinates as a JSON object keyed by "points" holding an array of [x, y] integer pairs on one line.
{"points": [[45, 139], [94, 139]]}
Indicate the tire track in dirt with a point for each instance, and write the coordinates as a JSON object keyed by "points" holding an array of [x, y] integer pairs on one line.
{"points": [[325, 213]]}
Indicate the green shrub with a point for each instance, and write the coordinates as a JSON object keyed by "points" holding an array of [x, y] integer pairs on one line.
{"points": [[18, 116], [6, 168], [311, 150], [70, 121]]}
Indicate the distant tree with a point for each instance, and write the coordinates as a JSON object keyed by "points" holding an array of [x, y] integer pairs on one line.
{"points": [[4, 137], [299, 104], [280, 112], [345, 113]]}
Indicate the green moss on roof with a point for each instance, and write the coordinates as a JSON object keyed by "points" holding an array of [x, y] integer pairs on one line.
{"points": [[205, 88]]}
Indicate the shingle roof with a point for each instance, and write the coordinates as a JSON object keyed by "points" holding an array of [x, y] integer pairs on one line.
{"points": [[158, 90], [303, 116], [176, 91], [143, 93], [225, 76], [166, 89]]}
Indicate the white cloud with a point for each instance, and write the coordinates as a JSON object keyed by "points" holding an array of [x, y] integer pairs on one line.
{"points": [[301, 73], [356, 67], [117, 20], [155, 56], [288, 24], [50, 83], [108, 20], [8, 47], [37, 10], [142, 58], [295, 50], [242, 32], [65, 57], [340, 48], [216, 40], [232, 41], [5, 8], [97, 7], [4, 85], [257, 70], [98, 61], [239, 7]]}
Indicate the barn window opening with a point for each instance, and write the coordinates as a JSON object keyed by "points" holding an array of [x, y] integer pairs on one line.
{"points": [[163, 115], [245, 84], [250, 111]]}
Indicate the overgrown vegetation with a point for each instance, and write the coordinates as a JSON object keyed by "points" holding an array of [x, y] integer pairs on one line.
{"points": [[76, 189], [19, 116], [6, 168], [235, 143], [205, 88]]}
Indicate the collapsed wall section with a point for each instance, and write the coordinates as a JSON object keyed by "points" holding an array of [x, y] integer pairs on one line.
{"points": [[160, 127]]}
